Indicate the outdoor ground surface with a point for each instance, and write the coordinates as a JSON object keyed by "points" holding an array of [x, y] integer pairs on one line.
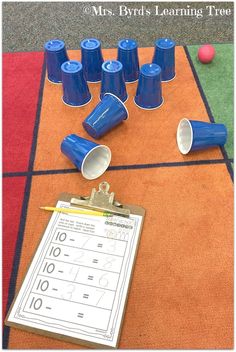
{"points": [[182, 289]]}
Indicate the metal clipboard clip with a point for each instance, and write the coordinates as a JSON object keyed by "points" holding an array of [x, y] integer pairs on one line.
{"points": [[101, 200]]}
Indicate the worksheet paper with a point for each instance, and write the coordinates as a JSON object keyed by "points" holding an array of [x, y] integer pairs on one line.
{"points": [[78, 280]]}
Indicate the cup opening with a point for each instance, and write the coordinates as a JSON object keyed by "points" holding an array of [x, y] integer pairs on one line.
{"points": [[184, 136], [96, 162]]}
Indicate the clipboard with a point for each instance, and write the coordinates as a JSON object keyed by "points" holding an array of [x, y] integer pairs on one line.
{"points": [[77, 284]]}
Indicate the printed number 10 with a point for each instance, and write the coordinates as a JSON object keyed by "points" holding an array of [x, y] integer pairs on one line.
{"points": [[42, 285], [61, 236], [55, 252], [36, 303]]}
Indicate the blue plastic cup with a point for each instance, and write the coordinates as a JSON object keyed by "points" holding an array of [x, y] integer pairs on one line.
{"points": [[55, 55], [164, 56], [149, 93], [195, 135], [128, 56], [113, 80], [90, 158], [75, 88], [92, 60], [110, 112]]}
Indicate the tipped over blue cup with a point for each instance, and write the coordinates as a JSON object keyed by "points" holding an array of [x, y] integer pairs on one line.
{"points": [[164, 56], [55, 55], [75, 88], [90, 158], [128, 56], [91, 58], [110, 112], [196, 135], [113, 80], [149, 92]]}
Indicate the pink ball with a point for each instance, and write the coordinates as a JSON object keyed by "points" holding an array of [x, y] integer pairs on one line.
{"points": [[206, 53]]}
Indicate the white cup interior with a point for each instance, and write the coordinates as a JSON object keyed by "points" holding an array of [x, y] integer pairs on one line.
{"points": [[96, 162], [184, 136]]}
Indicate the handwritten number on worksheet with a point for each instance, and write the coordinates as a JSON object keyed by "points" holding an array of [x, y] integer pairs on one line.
{"points": [[86, 239], [101, 295], [69, 293], [108, 263], [103, 281], [79, 256]]}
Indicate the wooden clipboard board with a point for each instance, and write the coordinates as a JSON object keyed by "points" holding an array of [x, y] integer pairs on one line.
{"points": [[33, 292]]}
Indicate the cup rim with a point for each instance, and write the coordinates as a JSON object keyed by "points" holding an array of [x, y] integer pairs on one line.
{"points": [[141, 107], [128, 82], [120, 102], [169, 80], [104, 169], [77, 106], [59, 82], [182, 151], [94, 81]]}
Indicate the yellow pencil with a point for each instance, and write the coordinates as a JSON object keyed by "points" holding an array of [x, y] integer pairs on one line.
{"points": [[76, 211]]}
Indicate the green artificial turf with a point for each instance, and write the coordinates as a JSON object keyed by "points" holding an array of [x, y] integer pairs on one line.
{"points": [[217, 82]]}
